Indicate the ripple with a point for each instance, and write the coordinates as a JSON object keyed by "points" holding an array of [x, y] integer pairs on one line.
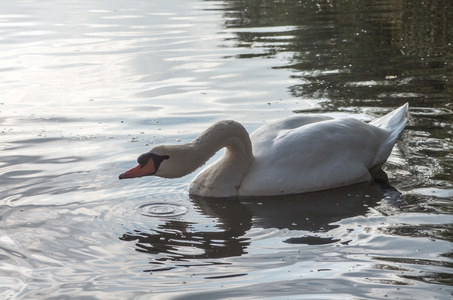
{"points": [[162, 209]]}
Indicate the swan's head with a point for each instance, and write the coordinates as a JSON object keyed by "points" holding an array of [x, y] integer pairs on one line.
{"points": [[148, 164], [163, 161]]}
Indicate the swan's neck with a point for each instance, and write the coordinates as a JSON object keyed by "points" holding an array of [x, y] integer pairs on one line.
{"points": [[223, 178]]}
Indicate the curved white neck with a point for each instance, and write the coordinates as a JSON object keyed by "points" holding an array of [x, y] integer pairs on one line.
{"points": [[223, 178]]}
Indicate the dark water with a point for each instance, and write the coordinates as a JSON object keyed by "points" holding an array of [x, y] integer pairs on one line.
{"points": [[86, 86]]}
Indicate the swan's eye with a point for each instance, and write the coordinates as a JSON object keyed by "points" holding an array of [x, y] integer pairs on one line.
{"points": [[143, 159], [157, 159]]}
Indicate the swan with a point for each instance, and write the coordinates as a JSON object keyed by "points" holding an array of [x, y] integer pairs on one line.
{"points": [[298, 154]]}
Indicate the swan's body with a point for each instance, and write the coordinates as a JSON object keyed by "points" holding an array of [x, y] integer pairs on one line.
{"points": [[294, 155]]}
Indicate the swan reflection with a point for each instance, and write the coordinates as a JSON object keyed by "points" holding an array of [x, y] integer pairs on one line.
{"points": [[308, 217]]}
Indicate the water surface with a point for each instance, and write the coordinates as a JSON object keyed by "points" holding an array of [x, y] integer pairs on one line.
{"points": [[88, 86]]}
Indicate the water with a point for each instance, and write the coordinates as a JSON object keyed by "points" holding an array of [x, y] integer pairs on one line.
{"points": [[87, 86]]}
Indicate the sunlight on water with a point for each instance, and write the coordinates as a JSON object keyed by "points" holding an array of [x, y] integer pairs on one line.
{"points": [[87, 86]]}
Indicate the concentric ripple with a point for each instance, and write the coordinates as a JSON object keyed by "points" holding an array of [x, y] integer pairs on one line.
{"points": [[162, 209]]}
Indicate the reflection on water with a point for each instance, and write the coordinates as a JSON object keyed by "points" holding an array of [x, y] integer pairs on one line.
{"points": [[352, 52], [336, 232], [88, 84], [312, 213]]}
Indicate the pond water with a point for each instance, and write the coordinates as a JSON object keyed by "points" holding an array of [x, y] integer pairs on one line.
{"points": [[87, 86]]}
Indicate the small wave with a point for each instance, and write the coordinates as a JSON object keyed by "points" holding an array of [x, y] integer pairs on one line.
{"points": [[162, 209]]}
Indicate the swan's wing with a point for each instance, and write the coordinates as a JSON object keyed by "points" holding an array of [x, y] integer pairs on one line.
{"points": [[319, 155], [264, 137]]}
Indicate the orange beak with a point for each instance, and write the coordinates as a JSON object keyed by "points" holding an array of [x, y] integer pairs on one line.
{"points": [[139, 171]]}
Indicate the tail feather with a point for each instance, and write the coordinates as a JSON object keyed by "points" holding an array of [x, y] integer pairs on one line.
{"points": [[393, 122]]}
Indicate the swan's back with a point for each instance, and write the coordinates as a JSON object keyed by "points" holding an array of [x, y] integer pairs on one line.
{"points": [[310, 153]]}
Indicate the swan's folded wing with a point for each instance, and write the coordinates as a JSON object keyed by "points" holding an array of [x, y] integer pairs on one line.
{"points": [[318, 156]]}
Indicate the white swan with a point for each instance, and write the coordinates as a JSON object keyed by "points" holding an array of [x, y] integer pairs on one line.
{"points": [[303, 153]]}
